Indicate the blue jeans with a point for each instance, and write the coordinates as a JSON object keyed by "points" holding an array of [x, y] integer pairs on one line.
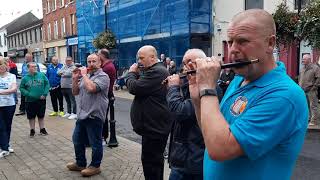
{"points": [[177, 174], [6, 115], [88, 131]]}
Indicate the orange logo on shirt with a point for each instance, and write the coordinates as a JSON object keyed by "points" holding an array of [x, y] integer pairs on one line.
{"points": [[239, 105]]}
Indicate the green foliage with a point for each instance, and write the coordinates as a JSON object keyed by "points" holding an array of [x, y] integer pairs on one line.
{"points": [[309, 26], [286, 24], [305, 26], [105, 40]]}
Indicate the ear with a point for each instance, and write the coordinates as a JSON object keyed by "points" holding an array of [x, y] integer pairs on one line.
{"points": [[271, 43]]}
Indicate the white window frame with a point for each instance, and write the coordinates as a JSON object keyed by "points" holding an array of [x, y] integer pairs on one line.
{"points": [[49, 31], [61, 3], [5, 39], [54, 5], [48, 6], [248, 7], [72, 23], [63, 26], [55, 30]]}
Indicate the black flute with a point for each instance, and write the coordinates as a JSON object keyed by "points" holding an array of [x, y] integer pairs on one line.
{"points": [[223, 66]]}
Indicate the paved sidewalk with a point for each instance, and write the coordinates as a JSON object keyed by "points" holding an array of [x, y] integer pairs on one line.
{"points": [[123, 94], [45, 157]]}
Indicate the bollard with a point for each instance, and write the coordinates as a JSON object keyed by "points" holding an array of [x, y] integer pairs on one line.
{"points": [[113, 139]]}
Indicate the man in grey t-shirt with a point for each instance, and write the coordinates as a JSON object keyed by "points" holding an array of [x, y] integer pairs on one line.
{"points": [[93, 100]]}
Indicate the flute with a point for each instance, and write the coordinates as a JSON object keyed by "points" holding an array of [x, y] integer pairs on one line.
{"points": [[223, 66], [79, 66]]}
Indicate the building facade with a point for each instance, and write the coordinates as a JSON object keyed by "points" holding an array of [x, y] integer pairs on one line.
{"points": [[59, 29], [3, 41], [91, 22], [171, 26], [24, 35], [223, 15]]}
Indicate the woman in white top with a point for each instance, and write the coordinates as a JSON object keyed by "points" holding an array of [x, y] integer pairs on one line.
{"points": [[8, 87]]}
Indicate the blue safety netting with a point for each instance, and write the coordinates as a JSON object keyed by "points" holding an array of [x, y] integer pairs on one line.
{"points": [[168, 25], [172, 26], [90, 23]]}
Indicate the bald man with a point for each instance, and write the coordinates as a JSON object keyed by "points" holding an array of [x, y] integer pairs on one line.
{"points": [[149, 112], [258, 129], [309, 80], [91, 85]]}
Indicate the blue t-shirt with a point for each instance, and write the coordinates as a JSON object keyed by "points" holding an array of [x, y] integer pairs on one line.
{"points": [[268, 118]]}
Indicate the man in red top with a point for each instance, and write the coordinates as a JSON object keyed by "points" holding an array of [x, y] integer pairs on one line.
{"points": [[12, 66], [109, 68]]}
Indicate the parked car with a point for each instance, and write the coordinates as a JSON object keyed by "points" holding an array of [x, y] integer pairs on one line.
{"points": [[42, 67]]}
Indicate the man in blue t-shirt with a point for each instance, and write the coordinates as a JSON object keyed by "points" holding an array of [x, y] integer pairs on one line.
{"points": [[258, 129]]}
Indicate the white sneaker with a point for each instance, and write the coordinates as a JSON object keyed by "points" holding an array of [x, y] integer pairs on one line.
{"points": [[66, 115], [72, 116], [10, 150], [4, 153]]}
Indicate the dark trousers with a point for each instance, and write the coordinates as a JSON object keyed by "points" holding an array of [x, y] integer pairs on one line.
{"points": [[88, 131], [22, 106], [105, 131], [319, 93], [56, 96], [177, 174], [152, 157], [70, 99], [6, 116]]}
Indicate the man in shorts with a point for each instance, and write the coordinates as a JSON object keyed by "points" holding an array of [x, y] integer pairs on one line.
{"points": [[35, 87]]}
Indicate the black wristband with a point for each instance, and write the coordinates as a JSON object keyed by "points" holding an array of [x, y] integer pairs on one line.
{"points": [[208, 92]]}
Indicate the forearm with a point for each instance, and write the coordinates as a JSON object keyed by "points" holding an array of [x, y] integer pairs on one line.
{"points": [[89, 85], [215, 130], [75, 87], [13, 89]]}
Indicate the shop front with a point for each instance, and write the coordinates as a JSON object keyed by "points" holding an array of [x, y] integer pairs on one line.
{"points": [[72, 48]]}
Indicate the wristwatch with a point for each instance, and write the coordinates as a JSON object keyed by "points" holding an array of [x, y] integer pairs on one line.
{"points": [[208, 92]]}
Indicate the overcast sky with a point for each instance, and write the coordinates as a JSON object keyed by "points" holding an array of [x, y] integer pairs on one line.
{"points": [[11, 9]]}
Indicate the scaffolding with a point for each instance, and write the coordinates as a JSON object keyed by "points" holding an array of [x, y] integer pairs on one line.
{"points": [[90, 23], [171, 26], [168, 25]]}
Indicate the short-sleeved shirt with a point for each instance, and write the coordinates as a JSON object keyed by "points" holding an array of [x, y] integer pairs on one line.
{"points": [[6, 83], [268, 117], [94, 104]]}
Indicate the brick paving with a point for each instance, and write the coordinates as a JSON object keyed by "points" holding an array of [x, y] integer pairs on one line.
{"points": [[45, 157]]}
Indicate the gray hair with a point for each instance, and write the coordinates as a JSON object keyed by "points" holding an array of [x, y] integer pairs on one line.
{"points": [[199, 52]]}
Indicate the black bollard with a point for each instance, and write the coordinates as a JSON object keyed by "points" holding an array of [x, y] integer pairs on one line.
{"points": [[113, 139]]}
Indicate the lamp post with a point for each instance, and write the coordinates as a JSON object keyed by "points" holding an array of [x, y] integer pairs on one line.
{"points": [[105, 17], [298, 45], [113, 142]]}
